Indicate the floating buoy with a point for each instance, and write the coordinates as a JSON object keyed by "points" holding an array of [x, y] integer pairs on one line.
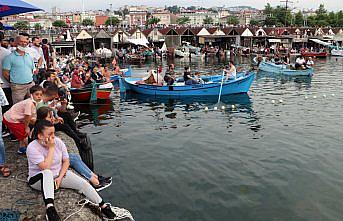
{"points": [[306, 97], [215, 108], [273, 101], [223, 107], [281, 101], [324, 95], [233, 106], [332, 95], [206, 108], [314, 96]]}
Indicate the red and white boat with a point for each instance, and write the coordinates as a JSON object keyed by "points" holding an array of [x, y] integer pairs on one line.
{"points": [[103, 92]]}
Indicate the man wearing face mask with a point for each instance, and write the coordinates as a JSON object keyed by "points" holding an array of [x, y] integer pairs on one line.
{"points": [[37, 55], [18, 68]]}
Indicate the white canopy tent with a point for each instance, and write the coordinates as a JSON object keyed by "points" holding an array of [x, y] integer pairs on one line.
{"points": [[321, 42], [140, 41]]}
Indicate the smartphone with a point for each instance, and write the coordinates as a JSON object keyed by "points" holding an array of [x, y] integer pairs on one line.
{"points": [[55, 185]]}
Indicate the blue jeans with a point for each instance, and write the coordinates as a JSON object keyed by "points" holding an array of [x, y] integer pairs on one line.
{"points": [[2, 146], [80, 167]]}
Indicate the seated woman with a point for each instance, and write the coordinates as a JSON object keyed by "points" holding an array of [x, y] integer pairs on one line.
{"points": [[76, 79], [96, 75], [98, 182], [188, 78], [169, 76], [48, 162]]}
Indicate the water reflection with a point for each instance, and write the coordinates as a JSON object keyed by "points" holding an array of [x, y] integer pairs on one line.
{"points": [[300, 81], [94, 113], [237, 107]]}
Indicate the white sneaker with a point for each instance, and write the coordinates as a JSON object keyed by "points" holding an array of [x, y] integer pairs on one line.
{"points": [[70, 107]]}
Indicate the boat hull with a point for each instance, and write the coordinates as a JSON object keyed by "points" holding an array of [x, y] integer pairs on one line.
{"points": [[315, 54], [84, 94], [237, 86], [282, 69], [335, 52]]}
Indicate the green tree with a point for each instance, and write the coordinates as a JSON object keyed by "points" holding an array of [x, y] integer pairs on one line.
{"points": [[87, 22], [182, 20], [153, 21], [208, 20], [299, 19], [174, 9], [311, 21], [112, 21], [270, 21], [268, 10], [254, 22], [232, 20], [59, 23], [21, 25], [37, 26]]}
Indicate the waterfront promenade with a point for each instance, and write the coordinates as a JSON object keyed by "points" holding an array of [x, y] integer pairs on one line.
{"points": [[15, 194]]}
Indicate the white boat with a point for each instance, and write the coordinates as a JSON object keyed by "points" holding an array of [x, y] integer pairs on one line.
{"points": [[337, 52]]}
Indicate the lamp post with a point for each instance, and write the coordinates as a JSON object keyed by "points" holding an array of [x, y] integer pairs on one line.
{"points": [[111, 14]]}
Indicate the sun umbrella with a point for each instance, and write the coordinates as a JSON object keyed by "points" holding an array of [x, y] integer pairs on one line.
{"points": [[13, 7]]}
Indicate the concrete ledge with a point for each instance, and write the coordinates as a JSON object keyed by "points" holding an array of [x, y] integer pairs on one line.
{"points": [[15, 193]]}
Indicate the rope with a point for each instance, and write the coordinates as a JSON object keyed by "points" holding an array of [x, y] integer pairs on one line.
{"points": [[120, 213], [76, 212]]}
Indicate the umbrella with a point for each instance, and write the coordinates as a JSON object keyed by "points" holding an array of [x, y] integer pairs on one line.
{"points": [[13, 7]]}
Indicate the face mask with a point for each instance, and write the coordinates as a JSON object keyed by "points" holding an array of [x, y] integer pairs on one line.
{"points": [[58, 105], [21, 48], [33, 99]]}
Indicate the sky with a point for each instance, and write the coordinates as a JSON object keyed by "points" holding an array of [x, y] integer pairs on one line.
{"points": [[73, 5]]}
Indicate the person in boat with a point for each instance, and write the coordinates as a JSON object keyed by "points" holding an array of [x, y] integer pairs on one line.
{"points": [[96, 75], [169, 76], [76, 79], [230, 71], [49, 163], [310, 63], [197, 77], [277, 59], [106, 73], [300, 63], [187, 76]]}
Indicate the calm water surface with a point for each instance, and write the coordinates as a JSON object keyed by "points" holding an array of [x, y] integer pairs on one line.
{"points": [[171, 160]]}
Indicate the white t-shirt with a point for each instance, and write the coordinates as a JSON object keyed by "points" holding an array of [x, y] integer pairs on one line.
{"points": [[300, 61], [3, 53], [33, 53], [40, 52], [310, 63]]}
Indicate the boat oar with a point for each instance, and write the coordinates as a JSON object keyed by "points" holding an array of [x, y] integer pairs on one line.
{"points": [[93, 94], [221, 87]]}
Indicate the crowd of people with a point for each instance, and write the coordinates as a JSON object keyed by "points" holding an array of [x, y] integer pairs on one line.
{"points": [[35, 102]]}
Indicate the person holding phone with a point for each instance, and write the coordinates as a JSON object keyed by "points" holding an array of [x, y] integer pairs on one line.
{"points": [[48, 162]]}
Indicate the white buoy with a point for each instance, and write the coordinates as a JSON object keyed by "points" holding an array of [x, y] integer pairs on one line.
{"points": [[324, 95], [306, 97], [281, 101], [314, 96], [215, 108], [233, 106], [206, 108], [223, 107], [332, 95], [273, 101]]}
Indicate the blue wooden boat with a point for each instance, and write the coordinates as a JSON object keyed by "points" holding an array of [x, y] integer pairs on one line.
{"points": [[211, 88], [127, 73], [283, 69]]}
